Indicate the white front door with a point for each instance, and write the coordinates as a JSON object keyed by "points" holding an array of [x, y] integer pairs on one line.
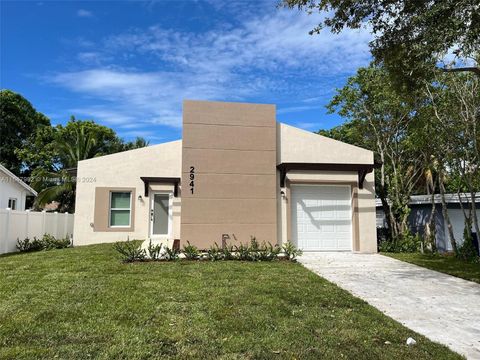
{"points": [[161, 215], [322, 217]]}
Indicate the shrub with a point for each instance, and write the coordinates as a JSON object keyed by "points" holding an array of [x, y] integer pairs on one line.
{"points": [[407, 243], [269, 252], [171, 254], [214, 253], [228, 253], [47, 242], [130, 251], [191, 252], [290, 251], [154, 251], [26, 245], [243, 252], [467, 250]]}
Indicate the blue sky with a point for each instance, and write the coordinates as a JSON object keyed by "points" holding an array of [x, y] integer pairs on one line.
{"points": [[129, 64]]}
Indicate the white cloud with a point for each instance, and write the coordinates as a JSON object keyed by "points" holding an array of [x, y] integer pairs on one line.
{"points": [[265, 56], [294, 109], [84, 13]]}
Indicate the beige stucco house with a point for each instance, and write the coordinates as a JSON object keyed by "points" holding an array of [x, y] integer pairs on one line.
{"points": [[236, 173]]}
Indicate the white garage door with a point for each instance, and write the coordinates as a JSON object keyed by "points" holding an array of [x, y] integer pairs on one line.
{"points": [[321, 217]]}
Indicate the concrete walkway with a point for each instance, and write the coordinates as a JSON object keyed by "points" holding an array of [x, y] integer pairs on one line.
{"points": [[444, 308]]}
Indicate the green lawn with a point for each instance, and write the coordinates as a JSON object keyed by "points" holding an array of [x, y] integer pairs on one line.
{"points": [[447, 264], [83, 303]]}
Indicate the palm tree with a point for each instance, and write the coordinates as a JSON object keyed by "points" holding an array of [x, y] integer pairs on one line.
{"points": [[61, 184]]}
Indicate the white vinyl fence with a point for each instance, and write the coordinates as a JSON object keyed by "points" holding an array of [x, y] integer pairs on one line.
{"points": [[22, 224]]}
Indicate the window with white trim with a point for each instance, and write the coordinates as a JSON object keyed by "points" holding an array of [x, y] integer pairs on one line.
{"points": [[12, 203], [120, 208]]}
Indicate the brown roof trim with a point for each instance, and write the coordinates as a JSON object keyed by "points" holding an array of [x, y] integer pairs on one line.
{"points": [[161, 180], [362, 169]]}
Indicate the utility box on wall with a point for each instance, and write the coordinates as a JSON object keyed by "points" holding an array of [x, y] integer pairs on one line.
{"points": [[228, 173]]}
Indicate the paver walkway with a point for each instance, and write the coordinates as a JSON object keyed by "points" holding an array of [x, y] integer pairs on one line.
{"points": [[444, 308]]}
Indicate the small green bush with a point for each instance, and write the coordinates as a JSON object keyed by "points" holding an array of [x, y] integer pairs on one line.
{"points": [[47, 242], [243, 252], [262, 252], [191, 252], [254, 251], [467, 250], [26, 245], [406, 243], [130, 251], [290, 251], [171, 254], [154, 251], [214, 253], [269, 252], [228, 253]]}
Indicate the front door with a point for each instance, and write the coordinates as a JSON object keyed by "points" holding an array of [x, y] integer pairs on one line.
{"points": [[160, 215]]}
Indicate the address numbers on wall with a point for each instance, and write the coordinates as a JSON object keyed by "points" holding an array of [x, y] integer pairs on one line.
{"points": [[192, 179]]}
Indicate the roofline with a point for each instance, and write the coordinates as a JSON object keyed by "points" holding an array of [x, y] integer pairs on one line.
{"points": [[323, 136], [149, 147], [427, 199], [18, 180]]}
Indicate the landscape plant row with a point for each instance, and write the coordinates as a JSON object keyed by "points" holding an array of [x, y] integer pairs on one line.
{"points": [[47, 242], [131, 251]]}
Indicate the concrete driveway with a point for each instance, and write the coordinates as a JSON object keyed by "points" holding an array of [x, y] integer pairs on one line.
{"points": [[444, 308]]}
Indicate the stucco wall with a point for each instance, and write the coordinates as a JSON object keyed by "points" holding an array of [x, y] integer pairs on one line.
{"points": [[123, 170], [232, 147], [299, 146]]}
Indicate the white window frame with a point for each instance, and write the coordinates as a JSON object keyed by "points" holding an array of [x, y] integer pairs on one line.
{"points": [[12, 201], [110, 210]]}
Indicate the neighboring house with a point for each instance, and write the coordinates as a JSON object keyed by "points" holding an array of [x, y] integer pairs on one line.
{"points": [[421, 207], [13, 191], [236, 173]]}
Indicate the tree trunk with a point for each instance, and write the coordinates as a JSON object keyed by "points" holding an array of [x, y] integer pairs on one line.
{"points": [[474, 215], [446, 218], [430, 226]]}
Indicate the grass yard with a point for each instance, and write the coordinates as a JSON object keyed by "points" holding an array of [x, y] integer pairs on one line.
{"points": [[443, 263], [83, 303]]}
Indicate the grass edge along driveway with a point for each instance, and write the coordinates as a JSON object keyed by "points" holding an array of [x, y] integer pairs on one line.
{"points": [[447, 264], [83, 303]]}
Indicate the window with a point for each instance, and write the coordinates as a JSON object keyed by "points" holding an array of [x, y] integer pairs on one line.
{"points": [[120, 208], [12, 203]]}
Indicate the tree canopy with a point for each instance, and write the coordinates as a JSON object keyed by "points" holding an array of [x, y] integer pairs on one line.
{"points": [[428, 146], [410, 37], [30, 146], [19, 121]]}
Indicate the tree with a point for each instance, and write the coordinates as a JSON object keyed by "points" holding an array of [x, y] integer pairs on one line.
{"points": [[384, 123], [19, 123], [78, 140], [139, 142], [410, 37], [454, 103]]}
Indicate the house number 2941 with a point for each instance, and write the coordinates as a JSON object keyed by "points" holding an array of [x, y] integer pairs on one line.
{"points": [[192, 179]]}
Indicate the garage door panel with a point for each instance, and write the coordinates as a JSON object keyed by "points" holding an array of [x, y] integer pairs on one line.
{"points": [[328, 228], [321, 217]]}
